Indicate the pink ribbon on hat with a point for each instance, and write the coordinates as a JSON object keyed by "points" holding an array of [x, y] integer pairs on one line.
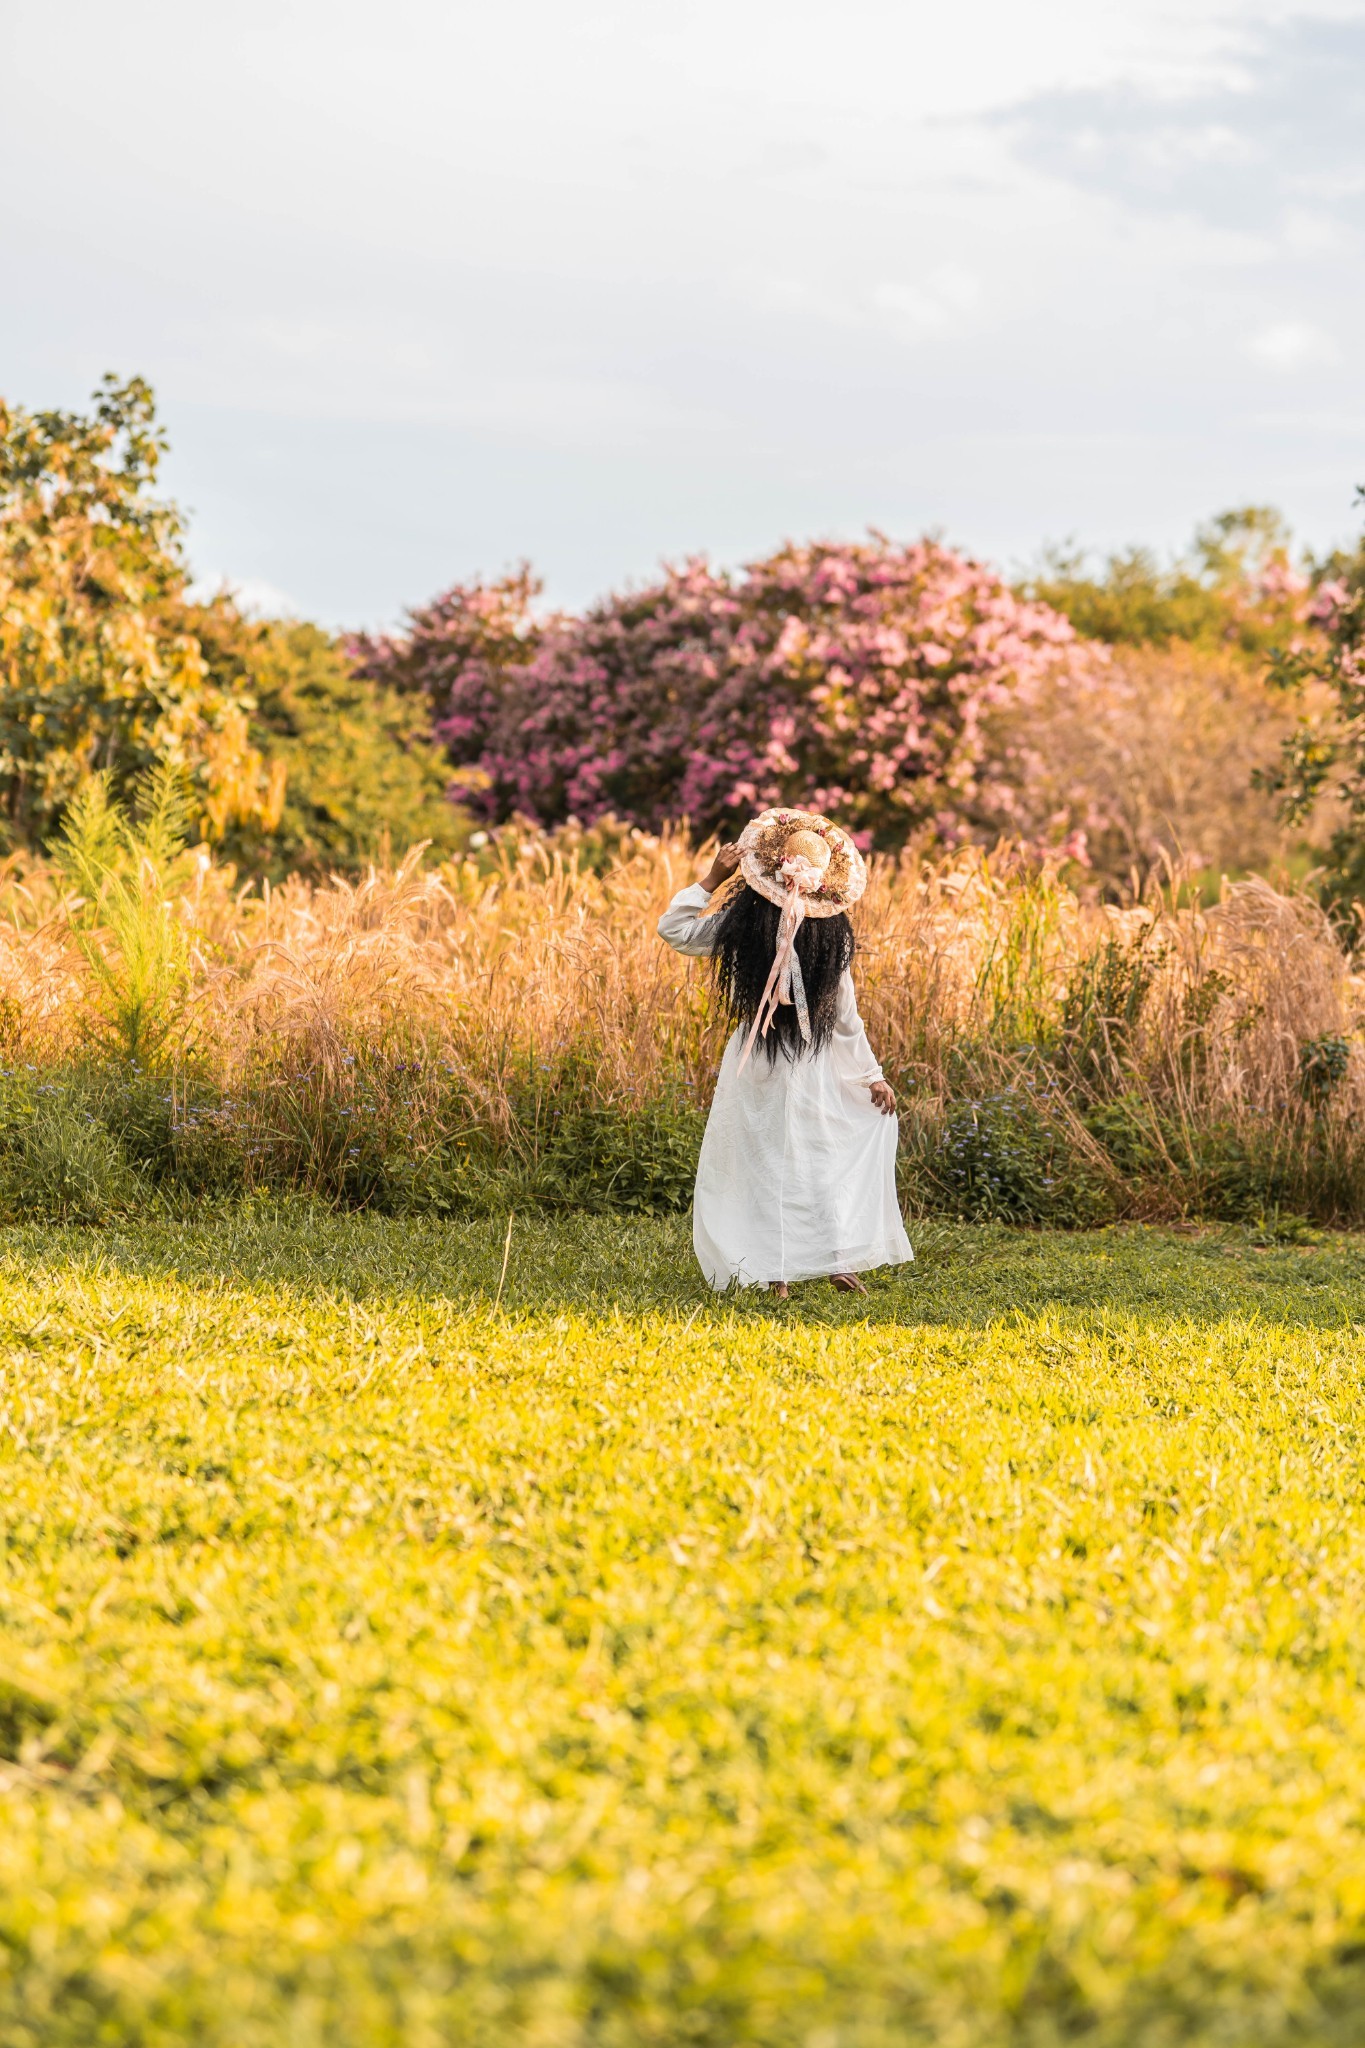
{"points": [[784, 984]]}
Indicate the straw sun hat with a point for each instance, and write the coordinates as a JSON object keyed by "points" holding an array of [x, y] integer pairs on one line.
{"points": [[776, 837]]}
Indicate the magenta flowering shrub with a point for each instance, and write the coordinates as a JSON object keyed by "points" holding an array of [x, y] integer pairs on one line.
{"points": [[852, 677], [460, 647]]}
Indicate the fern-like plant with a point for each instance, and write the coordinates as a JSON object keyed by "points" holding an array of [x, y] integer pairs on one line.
{"points": [[129, 867]]}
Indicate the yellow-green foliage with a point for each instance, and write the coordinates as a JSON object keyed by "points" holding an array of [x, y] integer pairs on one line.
{"points": [[359, 774], [978, 1664], [1235, 588], [124, 873], [100, 665], [106, 663]]}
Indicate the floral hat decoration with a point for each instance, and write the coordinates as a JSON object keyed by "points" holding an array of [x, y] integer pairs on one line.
{"points": [[809, 867], [777, 841]]}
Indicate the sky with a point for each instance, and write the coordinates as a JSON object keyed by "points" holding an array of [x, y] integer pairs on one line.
{"points": [[431, 288]]}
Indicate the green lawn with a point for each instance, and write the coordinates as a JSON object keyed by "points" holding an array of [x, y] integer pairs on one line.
{"points": [[977, 1664]]}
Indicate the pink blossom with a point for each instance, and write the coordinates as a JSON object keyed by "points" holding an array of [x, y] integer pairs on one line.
{"points": [[853, 676]]}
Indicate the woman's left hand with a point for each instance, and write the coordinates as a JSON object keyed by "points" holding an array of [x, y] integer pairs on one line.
{"points": [[882, 1097]]}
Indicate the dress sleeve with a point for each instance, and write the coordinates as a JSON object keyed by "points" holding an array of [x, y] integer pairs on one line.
{"points": [[685, 925], [850, 1039]]}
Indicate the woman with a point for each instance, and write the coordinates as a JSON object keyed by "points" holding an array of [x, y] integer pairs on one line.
{"points": [[797, 1175]]}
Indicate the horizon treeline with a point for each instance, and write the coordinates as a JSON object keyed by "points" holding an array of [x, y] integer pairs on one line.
{"points": [[1122, 716]]}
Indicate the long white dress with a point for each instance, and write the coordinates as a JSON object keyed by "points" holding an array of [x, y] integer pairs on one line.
{"points": [[797, 1174]]}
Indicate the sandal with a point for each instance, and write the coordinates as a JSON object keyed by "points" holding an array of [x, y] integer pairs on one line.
{"points": [[847, 1283]]}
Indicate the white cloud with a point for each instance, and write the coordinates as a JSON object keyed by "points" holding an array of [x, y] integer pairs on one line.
{"points": [[1292, 345], [1306, 233], [938, 300], [527, 279]]}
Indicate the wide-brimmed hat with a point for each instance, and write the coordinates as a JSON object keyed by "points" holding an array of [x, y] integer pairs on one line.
{"points": [[776, 837]]}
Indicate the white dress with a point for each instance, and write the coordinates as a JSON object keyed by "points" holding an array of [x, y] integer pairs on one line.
{"points": [[797, 1174]]}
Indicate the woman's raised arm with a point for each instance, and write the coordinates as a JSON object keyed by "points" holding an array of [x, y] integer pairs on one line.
{"points": [[684, 925]]}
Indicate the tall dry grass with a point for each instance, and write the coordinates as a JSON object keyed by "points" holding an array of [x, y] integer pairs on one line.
{"points": [[511, 1027]]}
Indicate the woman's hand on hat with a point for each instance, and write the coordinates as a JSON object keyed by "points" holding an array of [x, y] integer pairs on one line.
{"points": [[722, 867], [883, 1098]]}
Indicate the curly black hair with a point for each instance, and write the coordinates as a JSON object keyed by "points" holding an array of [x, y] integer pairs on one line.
{"points": [[746, 940]]}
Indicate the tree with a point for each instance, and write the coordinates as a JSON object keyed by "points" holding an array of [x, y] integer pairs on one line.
{"points": [[355, 759], [1236, 589], [455, 659], [1325, 754], [100, 669], [852, 676]]}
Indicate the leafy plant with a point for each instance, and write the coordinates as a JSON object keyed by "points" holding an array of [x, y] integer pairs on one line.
{"points": [[58, 1159], [1007, 1157], [358, 773], [1326, 752], [1101, 1007], [1323, 1066], [132, 871]]}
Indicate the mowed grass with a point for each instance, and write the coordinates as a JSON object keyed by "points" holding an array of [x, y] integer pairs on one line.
{"points": [[980, 1663]]}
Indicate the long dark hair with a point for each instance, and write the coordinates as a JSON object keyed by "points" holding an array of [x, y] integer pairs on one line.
{"points": [[746, 940]]}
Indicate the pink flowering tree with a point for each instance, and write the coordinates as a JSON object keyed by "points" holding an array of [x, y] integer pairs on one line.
{"points": [[858, 678], [463, 644]]}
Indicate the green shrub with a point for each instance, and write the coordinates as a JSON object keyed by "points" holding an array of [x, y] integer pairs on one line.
{"points": [[59, 1161], [600, 1156], [1007, 1157], [1129, 1132], [1323, 1065], [1235, 1173], [360, 772], [88, 1142], [1102, 1006], [85, 1143]]}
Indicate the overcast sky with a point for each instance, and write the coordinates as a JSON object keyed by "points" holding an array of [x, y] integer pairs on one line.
{"points": [[430, 287]]}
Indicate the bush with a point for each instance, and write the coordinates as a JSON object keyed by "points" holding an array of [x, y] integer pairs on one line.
{"points": [[90, 1143], [1150, 760], [58, 1158], [1007, 1158], [1325, 753], [851, 677], [604, 1156], [359, 772]]}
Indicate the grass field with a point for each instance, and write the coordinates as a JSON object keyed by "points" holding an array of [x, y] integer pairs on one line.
{"points": [[977, 1664]]}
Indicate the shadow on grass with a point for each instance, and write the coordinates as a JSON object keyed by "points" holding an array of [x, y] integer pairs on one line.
{"points": [[964, 1275]]}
